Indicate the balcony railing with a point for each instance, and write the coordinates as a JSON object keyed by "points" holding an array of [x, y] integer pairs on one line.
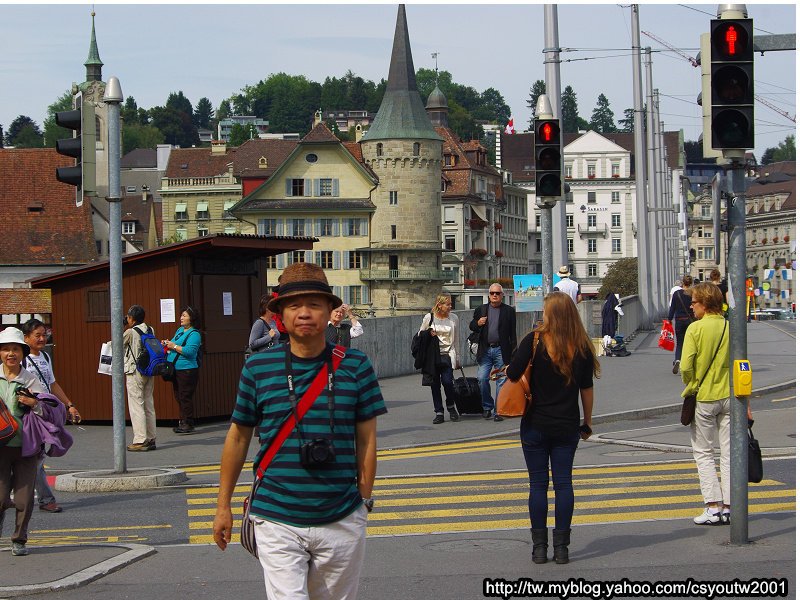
{"points": [[404, 275], [584, 230]]}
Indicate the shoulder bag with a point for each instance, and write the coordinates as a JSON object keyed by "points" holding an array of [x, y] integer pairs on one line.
{"points": [[8, 424], [755, 468], [515, 396], [168, 368], [690, 401], [248, 532]]}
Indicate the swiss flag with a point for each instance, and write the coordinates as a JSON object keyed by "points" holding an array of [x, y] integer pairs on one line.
{"points": [[510, 126]]}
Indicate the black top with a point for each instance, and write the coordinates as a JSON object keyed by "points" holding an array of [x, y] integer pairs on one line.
{"points": [[338, 335], [680, 306], [555, 407], [506, 330]]}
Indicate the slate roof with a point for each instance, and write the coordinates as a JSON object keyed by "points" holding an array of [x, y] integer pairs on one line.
{"points": [[39, 222], [401, 114], [777, 179], [197, 162], [139, 158]]}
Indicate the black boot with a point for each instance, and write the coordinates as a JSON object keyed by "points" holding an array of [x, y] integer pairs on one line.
{"points": [[539, 537], [560, 546]]}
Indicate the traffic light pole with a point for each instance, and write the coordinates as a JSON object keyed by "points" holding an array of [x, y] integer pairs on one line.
{"points": [[113, 98], [547, 245], [737, 317]]}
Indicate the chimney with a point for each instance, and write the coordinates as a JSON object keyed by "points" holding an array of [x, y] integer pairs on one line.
{"points": [[318, 117], [218, 147], [359, 132]]}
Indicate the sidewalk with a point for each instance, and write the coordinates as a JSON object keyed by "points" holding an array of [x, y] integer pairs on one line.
{"points": [[635, 387]]}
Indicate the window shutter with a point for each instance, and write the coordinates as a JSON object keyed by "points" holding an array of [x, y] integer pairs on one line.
{"points": [[335, 227], [309, 256], [262, 226], [337, 259], [345, 294], [337, 290], [288, 187], [316, 187], [317, 227], [336, 187], [318, 258], [346, 257], [364, 260], [279, 227], [365, 294], [364, 227], [280, 261], [307, 187], [307, 227]]}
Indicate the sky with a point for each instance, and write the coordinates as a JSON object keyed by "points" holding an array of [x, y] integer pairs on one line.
{"points": [[214, 50]]}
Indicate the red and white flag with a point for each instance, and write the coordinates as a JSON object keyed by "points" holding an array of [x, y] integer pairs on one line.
{"points": [[510, 126]]}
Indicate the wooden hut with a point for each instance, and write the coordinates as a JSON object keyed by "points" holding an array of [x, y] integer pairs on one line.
{"points": [[223, 276]]}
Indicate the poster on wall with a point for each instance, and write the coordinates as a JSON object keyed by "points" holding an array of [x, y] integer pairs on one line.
{"points": [[167, 310], [227, 304], [528, 293]]}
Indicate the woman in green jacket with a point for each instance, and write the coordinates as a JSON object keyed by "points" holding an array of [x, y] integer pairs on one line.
{"points": [[705, 358]]}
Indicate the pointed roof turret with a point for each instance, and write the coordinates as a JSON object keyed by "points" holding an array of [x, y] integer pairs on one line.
{"points": [[93, 64], [401, 114]]}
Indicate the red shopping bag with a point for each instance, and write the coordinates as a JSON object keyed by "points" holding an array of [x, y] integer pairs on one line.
{"points": [[667, 338]]}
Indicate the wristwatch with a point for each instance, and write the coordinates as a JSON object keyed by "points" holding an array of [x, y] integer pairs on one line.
{"points": [[369, 503]]}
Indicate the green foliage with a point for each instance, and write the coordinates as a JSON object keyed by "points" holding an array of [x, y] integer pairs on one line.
{"points": [[602, 119], [179, 102], [570, 120], [240, 134], [786, 150], [493, 107], [203, 113], [286, 101], [24, 133], [224, 111], [626, 124], [537, 89], [176, 126], [130, 112], [53, 132], [621, 278], [140, 136]]}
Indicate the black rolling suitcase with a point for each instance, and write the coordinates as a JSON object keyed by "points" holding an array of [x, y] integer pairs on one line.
{"points": [[468, 395]]}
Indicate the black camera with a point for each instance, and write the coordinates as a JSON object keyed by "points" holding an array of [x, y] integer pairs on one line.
{"points": [[317, 452]]}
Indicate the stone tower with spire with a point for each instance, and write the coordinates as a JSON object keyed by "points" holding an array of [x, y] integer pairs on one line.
{"points": [[405, 152]]}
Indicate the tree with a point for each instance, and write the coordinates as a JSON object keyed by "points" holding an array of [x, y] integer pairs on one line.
{"points": [[461, 121], [621, 278], [130, 112], [626, 124], [537, 89], [570, 120], [24, 133], [240, 134], [426, 81], [602, 120], [224, 111], [493, 107], [179, 102], [53, 132], [140, 136], [694, 153], [203, 113], [176, 126], [786, 150]]}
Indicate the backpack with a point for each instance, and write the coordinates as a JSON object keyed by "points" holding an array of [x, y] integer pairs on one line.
{"points": [[151, 357]]}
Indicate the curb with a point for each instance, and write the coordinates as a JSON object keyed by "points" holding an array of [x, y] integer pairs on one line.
{"points": [[110, 481], [134, 553]]}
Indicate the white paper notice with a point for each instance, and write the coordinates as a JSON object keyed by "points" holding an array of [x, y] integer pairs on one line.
{"points": [[227, 304], [167, 310]]}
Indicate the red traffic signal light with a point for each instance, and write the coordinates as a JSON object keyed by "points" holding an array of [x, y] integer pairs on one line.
{"points": [[732, 39], [547, 157]]}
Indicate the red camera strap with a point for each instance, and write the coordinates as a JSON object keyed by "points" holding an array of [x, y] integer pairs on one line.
{"points": [[308, 399]]}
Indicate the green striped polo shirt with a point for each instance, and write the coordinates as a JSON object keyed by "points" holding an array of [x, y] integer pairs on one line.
{"points": [[289, 492]]}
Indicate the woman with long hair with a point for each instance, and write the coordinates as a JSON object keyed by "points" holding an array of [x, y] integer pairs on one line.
{"points": [[183, 350], [445, 328], [563, 367]]}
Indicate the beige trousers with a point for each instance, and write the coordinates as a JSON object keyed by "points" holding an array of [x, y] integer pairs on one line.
{"points": [[141, 407], [712, 422]]}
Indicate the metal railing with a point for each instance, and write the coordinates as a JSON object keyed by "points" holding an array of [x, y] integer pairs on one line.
{"points": [[404, 275]]}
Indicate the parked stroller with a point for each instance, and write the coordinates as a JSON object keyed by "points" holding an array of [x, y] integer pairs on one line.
{"points": [[613, 344]]}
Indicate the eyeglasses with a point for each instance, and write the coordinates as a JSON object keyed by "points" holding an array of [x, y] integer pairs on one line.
{"points": [[495, 293]]}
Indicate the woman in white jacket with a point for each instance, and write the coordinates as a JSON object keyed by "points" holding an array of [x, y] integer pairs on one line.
{"points": [[445, 328]]}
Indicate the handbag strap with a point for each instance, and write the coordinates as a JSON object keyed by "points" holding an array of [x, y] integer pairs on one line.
{"points": [[686, 310], [526, 386], [722, 337], [312, 393]]}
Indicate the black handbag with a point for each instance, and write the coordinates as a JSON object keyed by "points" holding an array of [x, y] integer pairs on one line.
{"points": [[690, 401], [755, 468]]}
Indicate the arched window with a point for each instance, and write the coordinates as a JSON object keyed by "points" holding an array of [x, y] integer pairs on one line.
{"points": [[416, 148], [379, 149]]}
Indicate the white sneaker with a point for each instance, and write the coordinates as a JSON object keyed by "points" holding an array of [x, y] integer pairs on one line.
{"points": [[708, 517]]}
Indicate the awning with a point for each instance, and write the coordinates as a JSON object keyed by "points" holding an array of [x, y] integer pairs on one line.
{"points": [[202, 207], [479, 211], [229, 204], [180, 207]]}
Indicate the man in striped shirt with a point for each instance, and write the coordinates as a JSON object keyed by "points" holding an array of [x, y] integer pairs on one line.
{"points": [[310, 513]]}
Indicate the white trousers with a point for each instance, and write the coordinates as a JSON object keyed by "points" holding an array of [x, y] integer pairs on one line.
{"points": [[712, 421], [312, 563], [141, 407]]}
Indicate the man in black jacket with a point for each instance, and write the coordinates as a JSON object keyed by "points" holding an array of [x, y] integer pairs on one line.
{"points": [[497, 324]]}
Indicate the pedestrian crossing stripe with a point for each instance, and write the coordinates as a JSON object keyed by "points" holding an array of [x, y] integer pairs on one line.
{"points": [[420, 504], [79, 535]]}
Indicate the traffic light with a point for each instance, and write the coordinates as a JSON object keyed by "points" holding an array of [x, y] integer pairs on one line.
{"points": [[547, 155], [81, 147], [732, 87]]}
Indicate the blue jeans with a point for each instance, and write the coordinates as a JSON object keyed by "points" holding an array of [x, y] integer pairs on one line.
{"points": [[559, 451], [43, 492], [491, 359], [681, 325], [443, 378]]}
